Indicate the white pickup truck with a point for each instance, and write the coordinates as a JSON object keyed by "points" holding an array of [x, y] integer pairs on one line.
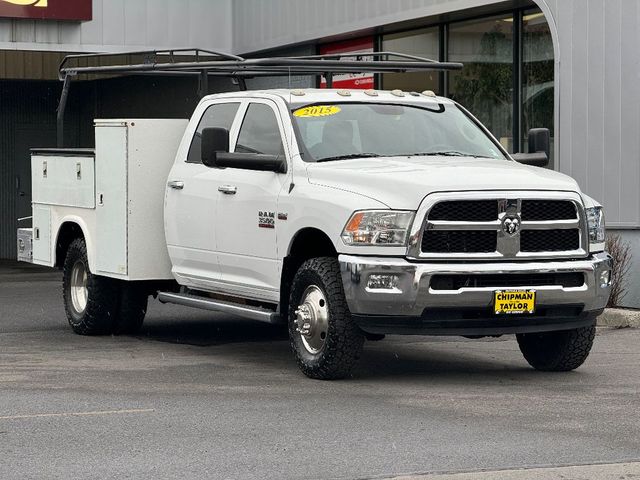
{"points": [[345, 215]]}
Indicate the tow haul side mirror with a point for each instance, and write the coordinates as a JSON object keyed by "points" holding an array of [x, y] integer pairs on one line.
{"points": [[214, 140], [539, 148]]}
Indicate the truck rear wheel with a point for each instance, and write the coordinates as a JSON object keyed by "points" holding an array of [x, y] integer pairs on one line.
{"points": [[90, 301], [325, 340], [557, 351]]}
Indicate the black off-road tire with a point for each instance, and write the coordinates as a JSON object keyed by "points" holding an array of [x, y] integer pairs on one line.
{"points": [[344, 340], [557, 351], [133, 308], [99, 315]]}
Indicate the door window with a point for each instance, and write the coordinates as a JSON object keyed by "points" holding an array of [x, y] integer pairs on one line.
{"points": [[219, 115], [259, 132]]}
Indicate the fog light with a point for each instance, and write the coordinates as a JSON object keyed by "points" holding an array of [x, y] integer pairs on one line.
{"points": [[605, 279], [382, 282]]}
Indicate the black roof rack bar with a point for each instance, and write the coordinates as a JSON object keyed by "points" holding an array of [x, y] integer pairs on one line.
{"points": [[293, 67], [232, 65], [384, 55], [198, 53], [287, 66], [355, 65]]}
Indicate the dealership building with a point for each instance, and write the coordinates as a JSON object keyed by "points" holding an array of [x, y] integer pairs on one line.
{"points": [[572, 66]]}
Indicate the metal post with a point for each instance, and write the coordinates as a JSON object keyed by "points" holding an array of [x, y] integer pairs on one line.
{"points": [[329, 77], [203, 83], [62, 106], [518, 19], [444, 53], [242, 84]]}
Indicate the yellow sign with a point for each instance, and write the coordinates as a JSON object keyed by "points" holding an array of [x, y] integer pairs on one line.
{"points": [[317, 111], [28, 3], [514, 301]]}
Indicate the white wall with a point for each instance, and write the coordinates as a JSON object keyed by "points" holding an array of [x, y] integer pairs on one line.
{"points": [[264, 24], [598, 91], [120, 25]]}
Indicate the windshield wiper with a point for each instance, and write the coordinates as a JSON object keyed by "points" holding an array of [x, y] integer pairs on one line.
{"points": [[447, 153], [348, 156]]}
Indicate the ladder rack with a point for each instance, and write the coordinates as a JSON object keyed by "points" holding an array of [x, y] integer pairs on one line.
{"points": [[206, 63]]}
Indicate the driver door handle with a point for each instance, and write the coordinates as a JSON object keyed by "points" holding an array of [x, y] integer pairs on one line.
{"points": [[228, 189], [177, 184]]}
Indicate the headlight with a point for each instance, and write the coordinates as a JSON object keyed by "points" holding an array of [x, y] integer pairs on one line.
{"points": [[378, 227], [595, 221]]}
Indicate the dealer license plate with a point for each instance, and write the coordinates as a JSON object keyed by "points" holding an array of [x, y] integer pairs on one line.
{"points": [[512, 302]]}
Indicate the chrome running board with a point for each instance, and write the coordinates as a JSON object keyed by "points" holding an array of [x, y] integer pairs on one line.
{"points": [[205, 303]]}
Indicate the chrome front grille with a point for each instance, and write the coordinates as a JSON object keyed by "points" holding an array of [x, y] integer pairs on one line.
{"points": [[505, 280], [465, 211], [549, 240], [459, 241], [512, 225], [539, 210]]}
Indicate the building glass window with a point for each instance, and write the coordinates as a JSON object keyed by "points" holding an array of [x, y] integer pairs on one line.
{"points": [[422, 43], [537, 75], [485, 85]]}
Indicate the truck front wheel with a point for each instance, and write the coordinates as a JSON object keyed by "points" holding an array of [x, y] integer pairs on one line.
{"points": [[90, 301], [325, 340], [557, 351]]}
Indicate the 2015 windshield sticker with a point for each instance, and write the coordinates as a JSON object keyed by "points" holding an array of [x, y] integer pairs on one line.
{"points": [[317, 111]]}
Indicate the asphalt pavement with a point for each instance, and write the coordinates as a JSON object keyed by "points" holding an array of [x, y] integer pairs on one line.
{"points": [[205, 395]]}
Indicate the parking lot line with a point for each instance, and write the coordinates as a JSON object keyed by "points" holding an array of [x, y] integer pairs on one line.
{"points": [[76, 414]]}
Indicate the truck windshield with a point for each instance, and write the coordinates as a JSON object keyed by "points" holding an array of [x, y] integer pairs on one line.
{"points": [[340, 131]]}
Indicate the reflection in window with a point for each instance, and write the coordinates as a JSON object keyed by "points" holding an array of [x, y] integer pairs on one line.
{"points": [[485, 85], [220, 115], [422, 43], [259, 132], [537, 74], [378, 129]]}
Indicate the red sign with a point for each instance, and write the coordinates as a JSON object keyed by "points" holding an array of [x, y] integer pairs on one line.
{"points": [[46, 9], [362, 48]]}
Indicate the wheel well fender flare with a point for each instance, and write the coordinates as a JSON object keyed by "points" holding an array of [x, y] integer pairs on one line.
{"points": [[305, 233], [68, 224], [306, 243]]}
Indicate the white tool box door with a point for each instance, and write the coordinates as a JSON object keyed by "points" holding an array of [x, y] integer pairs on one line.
{"points": [[111, 198], [42, 235]]}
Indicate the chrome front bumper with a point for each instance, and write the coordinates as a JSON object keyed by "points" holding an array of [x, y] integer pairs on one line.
{"points": [[412, 294]]}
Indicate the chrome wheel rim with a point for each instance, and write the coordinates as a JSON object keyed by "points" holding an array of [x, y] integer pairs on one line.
{"points": [[312, 319], [79, 291]]}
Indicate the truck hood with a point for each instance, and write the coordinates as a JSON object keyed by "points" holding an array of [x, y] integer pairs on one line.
{"points": [[402, 182]]}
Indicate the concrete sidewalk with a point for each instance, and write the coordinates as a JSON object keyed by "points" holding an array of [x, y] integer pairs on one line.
{"points": [[611, 471], [620, 318]]}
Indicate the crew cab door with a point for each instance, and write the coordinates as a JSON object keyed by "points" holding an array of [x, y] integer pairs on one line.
{"points": [[190, 203], [247, 215]]}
